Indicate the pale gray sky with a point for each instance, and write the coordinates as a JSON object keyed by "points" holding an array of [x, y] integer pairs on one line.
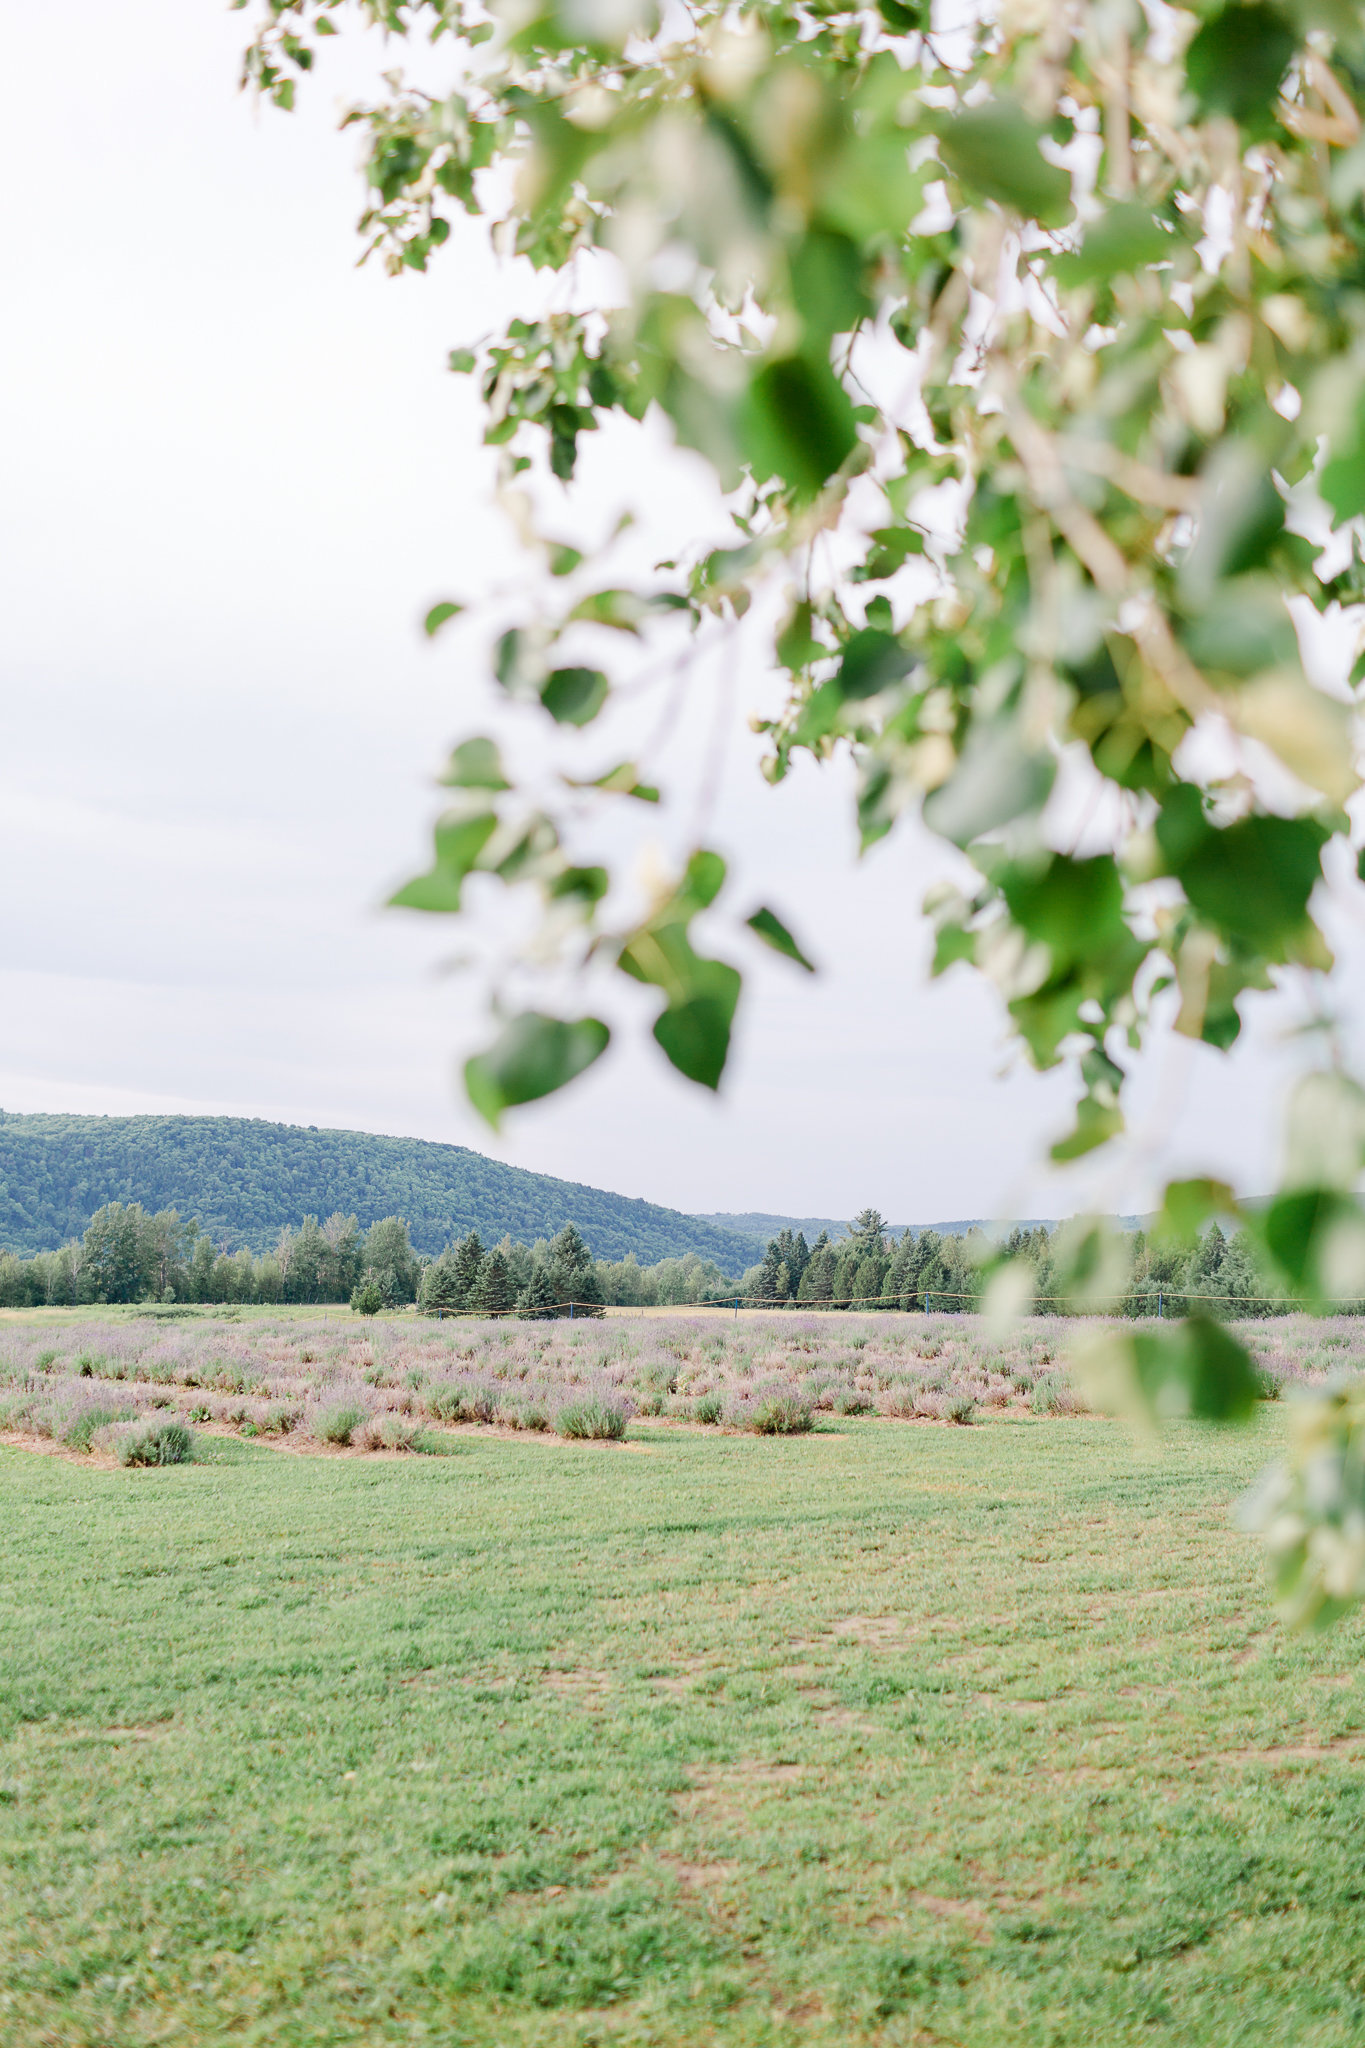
{"points": [[236, 475]]}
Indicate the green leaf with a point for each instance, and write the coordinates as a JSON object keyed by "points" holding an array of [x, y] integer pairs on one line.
{"points": [[564, 559], [827, 284], [531, 1057], [903, 16], [623, 610], [439, 614], [1342, 482], [999, 777], [892, 548], [1073, 907], [795, 422], [1315, 1237], [1096, 1124], [586, 886], [1124, 239], [1244, 629], [994, 149], [475, 764], [695, 1034], [1193, 1369], [872, 661], [867, 188], [1254, 877], [1310, 1508], [1236, 62], [1188, 1205], [774, 933], [462, 361], [703, 880], [574, 696], [797, 646], [459, 842]]}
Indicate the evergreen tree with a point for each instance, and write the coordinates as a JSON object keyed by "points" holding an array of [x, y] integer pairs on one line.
{"points": [[491, 1291], [769, 1278], [567, 1250], [466, 1258], [817, 1282], [539, 1300], [441, 1290]]}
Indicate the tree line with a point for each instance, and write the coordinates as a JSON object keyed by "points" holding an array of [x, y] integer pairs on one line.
{"points": [[949, 1274], [128, 1255]]}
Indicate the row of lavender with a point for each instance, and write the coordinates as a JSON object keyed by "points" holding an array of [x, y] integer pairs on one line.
{"points": [[106, 1383]]}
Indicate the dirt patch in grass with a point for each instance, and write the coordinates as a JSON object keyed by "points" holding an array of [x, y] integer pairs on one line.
{"points": [[873, 1631], [20, 1440], [584, 1688], [702, 1877], [1277, 1754]]}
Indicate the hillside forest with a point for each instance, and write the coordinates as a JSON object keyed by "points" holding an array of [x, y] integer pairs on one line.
{"points": [[245, 1179], [128, 1255]]}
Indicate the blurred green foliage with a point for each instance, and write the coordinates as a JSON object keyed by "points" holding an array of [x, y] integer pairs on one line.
{"points": [[1111, 267]]}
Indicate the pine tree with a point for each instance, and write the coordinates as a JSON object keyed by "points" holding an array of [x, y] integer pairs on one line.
{"points": [[817, 1282], [466, 1258], [441, 1291], [768, 1279], [492, 1290], [568, 1250], [540, 1299]]}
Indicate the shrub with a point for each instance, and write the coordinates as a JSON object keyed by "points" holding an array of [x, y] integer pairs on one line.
{"points": [[778, 1411], [79, 1432], [708, 1408], [45, 1360], [958, 1408], [467, 1400], [389, 1432], [153, 1443], [899, 1400], [338, 1422], [366, 1299], [593, 1415], [849, 1401], [1052, 1396]]}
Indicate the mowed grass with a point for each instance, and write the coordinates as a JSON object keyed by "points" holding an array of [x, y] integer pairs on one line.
{"points": [[891, 1733]]}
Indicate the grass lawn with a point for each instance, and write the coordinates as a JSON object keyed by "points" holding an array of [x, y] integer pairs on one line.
{"points": [[892, 1733]]}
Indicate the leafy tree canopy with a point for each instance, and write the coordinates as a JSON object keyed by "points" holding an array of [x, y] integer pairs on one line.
{"points": [[1029, 358]]}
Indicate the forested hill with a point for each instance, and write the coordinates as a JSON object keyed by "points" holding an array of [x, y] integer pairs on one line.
{"points": [[245, 1179]]}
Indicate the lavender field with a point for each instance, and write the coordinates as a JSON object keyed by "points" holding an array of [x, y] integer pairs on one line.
{"points": [[136, 1388]]}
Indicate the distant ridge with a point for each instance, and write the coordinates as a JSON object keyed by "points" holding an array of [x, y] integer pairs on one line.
{"points": [[756, 1223], [245, 1179]]}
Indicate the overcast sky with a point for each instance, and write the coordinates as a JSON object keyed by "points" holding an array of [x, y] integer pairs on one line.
{"points": [[236, 475]]}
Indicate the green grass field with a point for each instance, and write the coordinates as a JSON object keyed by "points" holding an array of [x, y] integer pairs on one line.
{"points": [[892, 1733]]}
